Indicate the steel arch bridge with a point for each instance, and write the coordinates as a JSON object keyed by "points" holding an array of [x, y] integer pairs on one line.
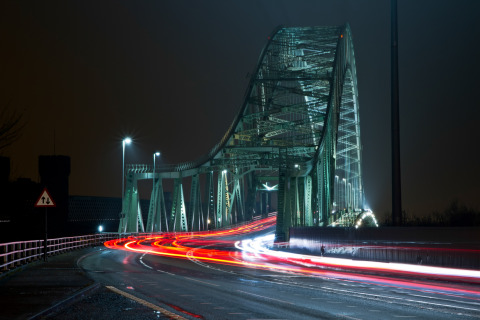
{"points": [[296, 140]]}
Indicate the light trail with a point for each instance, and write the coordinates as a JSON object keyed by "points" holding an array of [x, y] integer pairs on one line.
{"points": [[222, 247], [261, 244]]}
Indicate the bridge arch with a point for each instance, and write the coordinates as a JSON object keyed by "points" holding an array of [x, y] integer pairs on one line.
{"points": [[296, 140]]}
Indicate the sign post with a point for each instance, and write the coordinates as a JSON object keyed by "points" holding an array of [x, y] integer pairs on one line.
{"points": [[45, 201]]}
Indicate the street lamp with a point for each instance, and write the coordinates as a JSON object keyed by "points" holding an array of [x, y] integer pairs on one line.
{"points": [[156, 154], [124, 142], [336, 193], [349, 202]]}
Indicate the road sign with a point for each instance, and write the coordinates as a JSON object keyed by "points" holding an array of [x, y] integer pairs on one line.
{"points": [[45, 200]]}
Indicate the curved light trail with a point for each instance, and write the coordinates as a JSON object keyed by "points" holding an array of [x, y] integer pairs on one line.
{"points": [[224, 247]]}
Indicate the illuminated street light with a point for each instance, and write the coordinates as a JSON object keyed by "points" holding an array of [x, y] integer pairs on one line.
{"points": [[124, 142], [268, 188], [156, 154], [349, 193], [336, 194]]}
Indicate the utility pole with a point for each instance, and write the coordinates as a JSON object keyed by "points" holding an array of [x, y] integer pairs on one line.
{"points": [[395, 126]]}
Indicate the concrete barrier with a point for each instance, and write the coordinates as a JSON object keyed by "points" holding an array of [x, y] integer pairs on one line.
{"points": [[446, 247]]}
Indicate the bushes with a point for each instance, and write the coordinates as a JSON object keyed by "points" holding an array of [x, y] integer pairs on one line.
{"points": [[455, 215]]}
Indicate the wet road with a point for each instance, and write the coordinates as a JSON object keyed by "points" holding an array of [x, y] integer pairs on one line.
{"points": [[195, 289]]}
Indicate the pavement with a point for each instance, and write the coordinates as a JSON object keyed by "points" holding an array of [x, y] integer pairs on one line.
{"points": [[38, 289]]}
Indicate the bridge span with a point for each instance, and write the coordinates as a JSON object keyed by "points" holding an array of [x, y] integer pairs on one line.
{"points": [[295, 139]]}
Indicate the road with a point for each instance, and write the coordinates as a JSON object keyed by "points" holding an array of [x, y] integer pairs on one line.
{"points": [[214, 280]]}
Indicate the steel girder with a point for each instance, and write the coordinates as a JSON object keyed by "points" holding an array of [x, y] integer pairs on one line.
{"points": [[178, 219], [298, 128], [195, 215], [131, 218], [157, 214]]}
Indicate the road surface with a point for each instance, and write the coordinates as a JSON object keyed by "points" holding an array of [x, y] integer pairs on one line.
{"points": [[213, 279]]}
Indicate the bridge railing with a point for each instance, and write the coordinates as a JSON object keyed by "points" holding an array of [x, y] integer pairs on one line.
{"points": [[15, 254]]}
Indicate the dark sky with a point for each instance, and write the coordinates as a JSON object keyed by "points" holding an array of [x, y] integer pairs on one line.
{"points": [[172, 75]]}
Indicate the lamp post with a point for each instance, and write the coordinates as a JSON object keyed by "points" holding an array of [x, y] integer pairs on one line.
{"points": [[349, 202], [124, 142], [156, 154], [336, 191], [154, 198]]}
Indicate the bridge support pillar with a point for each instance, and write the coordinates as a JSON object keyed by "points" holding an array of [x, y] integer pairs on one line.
{"points": [[179, 215], [236, 208], [132, 215], [195, 217], [157, 215], [211, 220], [283, 216], [308, 201]]}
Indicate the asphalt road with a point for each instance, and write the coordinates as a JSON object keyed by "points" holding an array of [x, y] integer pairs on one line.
{"points": [[197, 290]]}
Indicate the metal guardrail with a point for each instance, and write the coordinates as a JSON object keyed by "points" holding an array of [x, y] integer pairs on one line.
{"points": [[15, 254], [281, 245]]}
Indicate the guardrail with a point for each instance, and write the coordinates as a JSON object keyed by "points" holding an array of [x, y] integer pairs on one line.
{"points": [[15, 254], [281, 245]]}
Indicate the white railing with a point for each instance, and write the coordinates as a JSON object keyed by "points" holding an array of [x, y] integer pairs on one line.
{"points": [[15, 254]]}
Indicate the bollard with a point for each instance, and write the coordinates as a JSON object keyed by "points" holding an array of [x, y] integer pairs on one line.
{"points": [[4, 251], [18, 254], [24, 252]]}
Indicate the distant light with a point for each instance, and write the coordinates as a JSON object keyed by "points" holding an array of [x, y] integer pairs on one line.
{"points": [[341, 36], [100, 228], [127, 140], [157, 153], [268, 188]]}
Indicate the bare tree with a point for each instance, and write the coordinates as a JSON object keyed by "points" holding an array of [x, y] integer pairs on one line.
{"points": [[11, 126]]}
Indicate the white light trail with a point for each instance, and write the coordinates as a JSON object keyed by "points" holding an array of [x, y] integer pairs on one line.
{"points": [[259, 247]]}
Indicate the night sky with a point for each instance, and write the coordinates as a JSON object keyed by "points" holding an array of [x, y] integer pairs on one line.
{"points": [[173, 74]]}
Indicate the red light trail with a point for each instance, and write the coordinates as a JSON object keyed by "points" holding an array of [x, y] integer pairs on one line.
{"points": [[223, 247]]}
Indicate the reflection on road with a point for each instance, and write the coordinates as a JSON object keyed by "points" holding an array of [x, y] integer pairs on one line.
{"points": [[233, 247]]}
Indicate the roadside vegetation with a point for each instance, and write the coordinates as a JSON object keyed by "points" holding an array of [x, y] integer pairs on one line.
{"points": [[455, 215]]}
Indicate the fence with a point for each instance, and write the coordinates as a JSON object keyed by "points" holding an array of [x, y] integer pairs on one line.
{"points": [[15, 254]]}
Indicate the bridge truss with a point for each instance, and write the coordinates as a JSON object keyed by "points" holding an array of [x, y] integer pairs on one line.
{"points": [[296, 141]]}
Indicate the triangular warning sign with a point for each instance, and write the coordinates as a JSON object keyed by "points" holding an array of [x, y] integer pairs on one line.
{"points": [[45, 200]]}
